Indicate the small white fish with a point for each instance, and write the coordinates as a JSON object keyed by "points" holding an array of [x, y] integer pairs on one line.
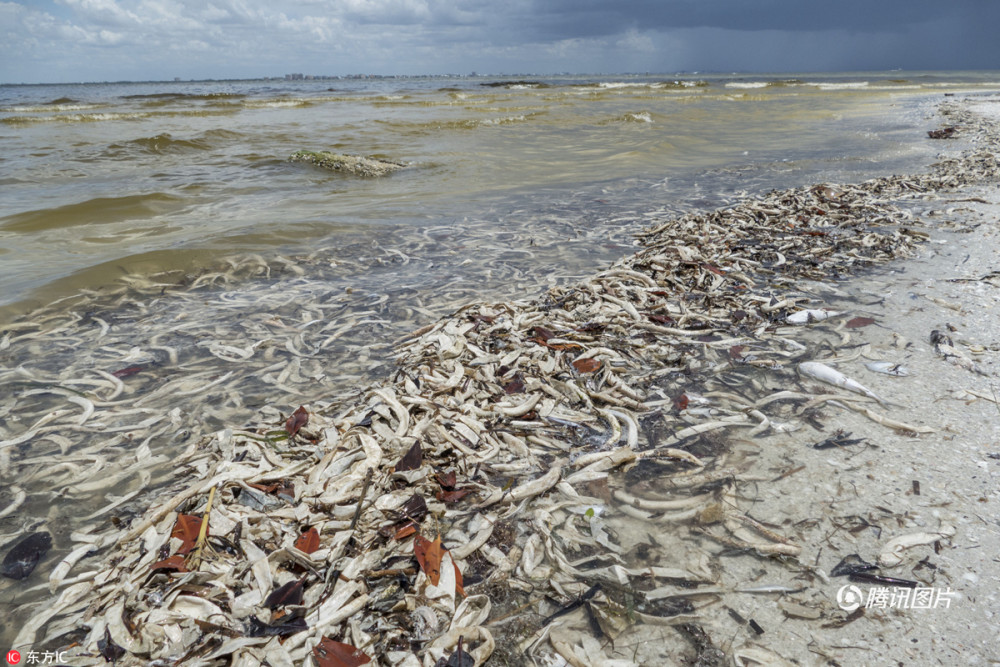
{"points": [[810, 316], [824, 373], [892, 553], [888, 368]]}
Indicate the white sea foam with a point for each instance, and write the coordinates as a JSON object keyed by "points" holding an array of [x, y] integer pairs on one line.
{"points": [[504, 120], [611, 85], [50, 108], [75, 118], [276, 104], [844, 85], [639, 117], [747, 84]]}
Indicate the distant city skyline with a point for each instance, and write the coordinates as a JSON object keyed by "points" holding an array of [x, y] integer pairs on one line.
{"points": [[120, 40]]}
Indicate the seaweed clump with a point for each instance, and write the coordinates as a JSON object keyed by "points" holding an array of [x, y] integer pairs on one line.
{"points": [[357, 165]]}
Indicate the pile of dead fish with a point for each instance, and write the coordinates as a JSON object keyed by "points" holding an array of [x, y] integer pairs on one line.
{"points": [[422, 523]]}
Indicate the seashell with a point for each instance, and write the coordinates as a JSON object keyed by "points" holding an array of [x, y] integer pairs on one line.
{"points": [[887, 368]]}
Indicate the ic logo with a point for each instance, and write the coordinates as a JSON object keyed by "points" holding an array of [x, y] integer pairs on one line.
{"points": [[850, 598]]}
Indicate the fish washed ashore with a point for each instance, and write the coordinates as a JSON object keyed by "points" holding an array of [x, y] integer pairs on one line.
{"points": [[459, 512]]}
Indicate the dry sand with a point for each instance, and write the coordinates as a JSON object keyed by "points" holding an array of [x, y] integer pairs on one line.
{"points": [[898, 485]]}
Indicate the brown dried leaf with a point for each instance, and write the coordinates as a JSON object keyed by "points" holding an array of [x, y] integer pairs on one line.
{"points": [[186, 529], [452, 496], [586, 365], [175, 563], [429, 556], [447, 480], [412, 460], [308, 541], [415, 508], [298, 419], [713, 269], [515, 386], [266, 488], [404, 532], [542, 333], [564, 346], [859, 322], [330, 653], [665, 320], [289, 594]]}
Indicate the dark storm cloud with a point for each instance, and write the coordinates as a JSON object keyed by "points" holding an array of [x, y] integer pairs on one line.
{"points": [[115, 39], [588, 18]]}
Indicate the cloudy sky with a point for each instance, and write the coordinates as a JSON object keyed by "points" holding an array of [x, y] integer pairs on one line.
{"points": [[101, 40]]}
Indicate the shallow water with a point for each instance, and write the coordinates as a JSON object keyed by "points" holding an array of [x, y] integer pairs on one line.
{"points": [[101, 179]]}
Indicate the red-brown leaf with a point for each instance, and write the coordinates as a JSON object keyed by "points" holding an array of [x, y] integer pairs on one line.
{"points": [[405, 531], [298, 419], [429, 556], [330, 653], [515, 386], [661, 319], [412, 460], [308, 541], [447, 480], [266, 488], [186, 529], [289, 594], [681, 402], [586, 365], [858, 322], [736, 351], [452, 496], [713, 269], [415, 508], [541, 332], [564, 346], [175, 563]]}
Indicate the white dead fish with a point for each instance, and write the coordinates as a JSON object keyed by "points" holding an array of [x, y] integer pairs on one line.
{"points": [[811, 315], [824, 373], [943, 345], [887, 368], [892, 552]]}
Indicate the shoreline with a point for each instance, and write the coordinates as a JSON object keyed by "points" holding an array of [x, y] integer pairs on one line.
{"points": [[584, 386]]}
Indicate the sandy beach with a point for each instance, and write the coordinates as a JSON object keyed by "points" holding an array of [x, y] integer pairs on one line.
{"points": [[663, 464]]}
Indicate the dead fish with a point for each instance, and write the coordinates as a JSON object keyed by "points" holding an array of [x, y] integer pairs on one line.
{"points": [[892, 553], [22, 559], [824, 373], [946, 348], [811, 315], [888, 368]]}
